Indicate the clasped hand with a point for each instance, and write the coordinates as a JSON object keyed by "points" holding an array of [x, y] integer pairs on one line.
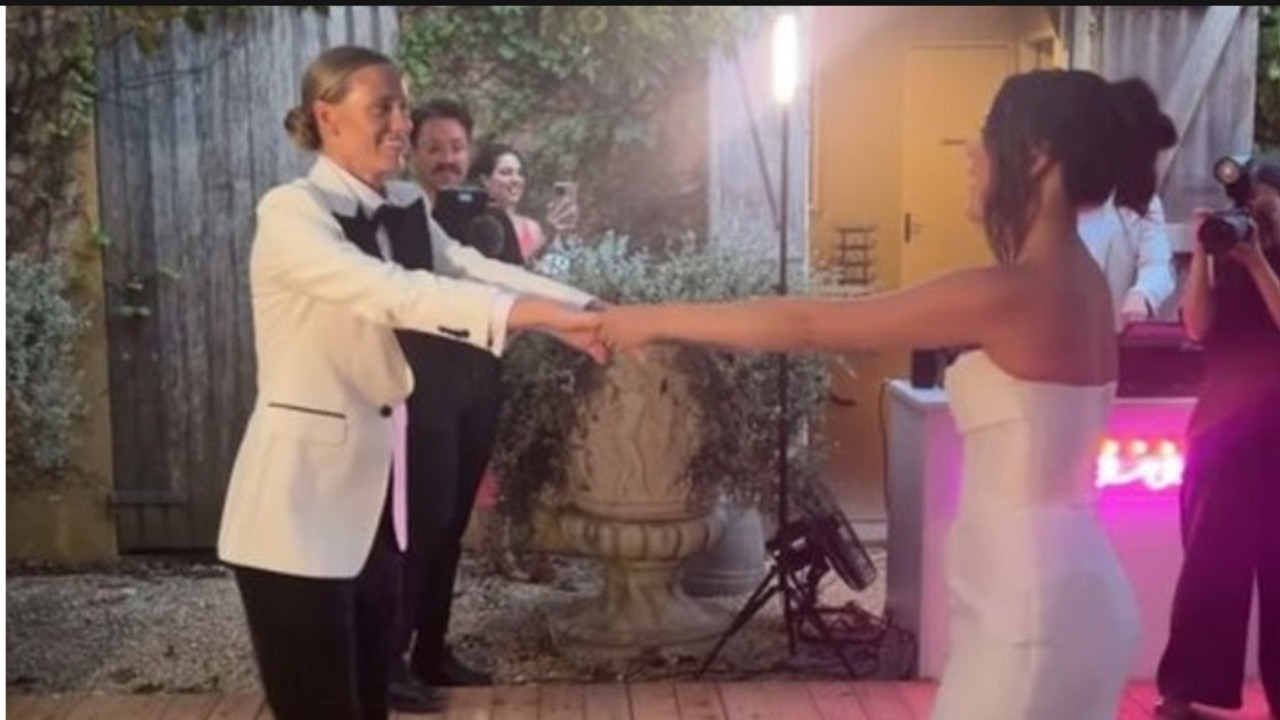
{"points": [[598, 329]]}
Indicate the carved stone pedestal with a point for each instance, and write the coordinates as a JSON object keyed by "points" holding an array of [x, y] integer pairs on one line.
{"points": [[634, 508], [642, 606]]}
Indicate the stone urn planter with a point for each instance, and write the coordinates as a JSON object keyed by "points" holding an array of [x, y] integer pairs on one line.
{"points": [[633, 505]]}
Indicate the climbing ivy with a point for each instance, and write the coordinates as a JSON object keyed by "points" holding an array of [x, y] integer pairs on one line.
{"points": [[1267, 126], [582, 90]]}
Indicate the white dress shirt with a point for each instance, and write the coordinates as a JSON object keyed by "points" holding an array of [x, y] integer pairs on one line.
{"points": [[1133, 252]]}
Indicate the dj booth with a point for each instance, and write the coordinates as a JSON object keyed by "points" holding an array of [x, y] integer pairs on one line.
{"points": [[1138, 475]]}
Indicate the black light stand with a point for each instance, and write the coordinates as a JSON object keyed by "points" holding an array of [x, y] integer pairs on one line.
{"points": [[784, 425], [803, 551]]}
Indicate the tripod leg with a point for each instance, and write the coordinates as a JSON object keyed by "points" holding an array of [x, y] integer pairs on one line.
{"points": [[763, 592], [806, 608], [816, 618], [788, 617]]}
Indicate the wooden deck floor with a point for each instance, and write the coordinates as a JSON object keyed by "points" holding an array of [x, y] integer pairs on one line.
{"points": [[826, 700]]}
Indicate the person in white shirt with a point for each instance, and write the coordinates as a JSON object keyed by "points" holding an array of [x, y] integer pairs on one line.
{"points": [[1134, 253], [314, 522]]}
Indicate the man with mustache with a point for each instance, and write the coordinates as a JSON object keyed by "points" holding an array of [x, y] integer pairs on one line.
{"points": [[452, 421]]}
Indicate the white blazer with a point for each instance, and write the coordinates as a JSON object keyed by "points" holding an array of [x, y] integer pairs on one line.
{"points": [[1133, 251], [309, 483]]}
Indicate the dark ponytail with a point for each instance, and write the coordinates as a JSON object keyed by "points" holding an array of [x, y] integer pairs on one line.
{"points": [[1144, 131]]}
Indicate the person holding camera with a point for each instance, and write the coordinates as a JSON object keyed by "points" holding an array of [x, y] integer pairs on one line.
{"points": [[1231, 482], [453, 418]]}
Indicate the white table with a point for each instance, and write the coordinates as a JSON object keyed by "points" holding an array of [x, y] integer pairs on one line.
{"points": [[1139, 508]]}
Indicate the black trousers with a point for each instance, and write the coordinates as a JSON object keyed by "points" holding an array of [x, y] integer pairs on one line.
{"points": [[323, 647], [1231, 538], [452, 422]]}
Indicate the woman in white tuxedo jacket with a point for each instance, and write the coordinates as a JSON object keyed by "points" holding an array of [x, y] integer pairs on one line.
{"points": [[313, 523]]}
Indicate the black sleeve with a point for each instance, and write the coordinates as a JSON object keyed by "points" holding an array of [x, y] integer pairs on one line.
{"points": [[485, 234], [493, 237]]}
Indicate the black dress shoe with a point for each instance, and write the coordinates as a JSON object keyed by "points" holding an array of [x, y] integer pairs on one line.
{"points": [[413, 697], [452, 673]]}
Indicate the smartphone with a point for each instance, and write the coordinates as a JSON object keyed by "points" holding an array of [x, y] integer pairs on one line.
{"points": [[566, 189]]}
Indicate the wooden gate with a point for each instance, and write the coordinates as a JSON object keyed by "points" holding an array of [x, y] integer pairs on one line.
{"points": [[188, 139], [1202, 61]]}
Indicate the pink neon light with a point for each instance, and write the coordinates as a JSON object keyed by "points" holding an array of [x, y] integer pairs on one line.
{"points": [[1157, 466]]}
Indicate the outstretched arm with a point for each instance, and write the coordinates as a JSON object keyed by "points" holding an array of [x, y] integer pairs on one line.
{"points": [[1197, 295], [963, 308]]}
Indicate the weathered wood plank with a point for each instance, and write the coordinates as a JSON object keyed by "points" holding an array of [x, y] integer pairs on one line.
{"points": [[16, 705], [881, 701], [918, 696], [607, 702], [769, 701], [698, 701], [515, 702], [190, 707], [192, 119], [655, 700], [837, 701], [561, 701], [235, 326], [1199, 62], [238, 706], [469, 703], [49, 707], [121, 707]]}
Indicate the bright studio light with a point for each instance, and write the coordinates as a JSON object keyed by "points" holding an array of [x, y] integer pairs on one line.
{"points": [[785, 58]]}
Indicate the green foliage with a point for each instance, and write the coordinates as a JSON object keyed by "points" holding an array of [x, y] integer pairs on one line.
{"points": [[545, 381], [578, 88], [1267, 132], [42, 329], [51, 52]]}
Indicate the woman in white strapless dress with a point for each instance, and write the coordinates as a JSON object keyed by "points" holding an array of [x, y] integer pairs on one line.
{"points": [[1044, 622]]}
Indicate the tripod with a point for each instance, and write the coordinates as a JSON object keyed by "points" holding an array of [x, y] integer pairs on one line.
{"points": [[800, 561]]}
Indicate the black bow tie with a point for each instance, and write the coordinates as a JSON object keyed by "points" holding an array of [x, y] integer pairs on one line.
{"points": [[409, 240], [389, 216]]}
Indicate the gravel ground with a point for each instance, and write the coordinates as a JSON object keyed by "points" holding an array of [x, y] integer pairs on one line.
{"points": [[176, 625]]}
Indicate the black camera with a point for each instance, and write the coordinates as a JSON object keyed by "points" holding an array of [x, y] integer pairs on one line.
{"points": [[1225, 229]]}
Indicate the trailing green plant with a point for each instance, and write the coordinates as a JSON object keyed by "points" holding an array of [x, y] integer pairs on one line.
{"points": [[1267, 132], [43, 327], [586, 92], [50, 94], [545, 382]]}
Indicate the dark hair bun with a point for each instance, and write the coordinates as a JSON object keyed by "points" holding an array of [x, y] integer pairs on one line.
{"points": [[301, 126], [1144, 131]]}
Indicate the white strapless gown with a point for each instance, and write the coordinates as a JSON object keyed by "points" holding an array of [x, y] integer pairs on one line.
{"points": [[1044, 623]]}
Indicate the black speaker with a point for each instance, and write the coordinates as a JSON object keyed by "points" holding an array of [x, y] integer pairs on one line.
{"points": [[1157, 359], [929, 367]]}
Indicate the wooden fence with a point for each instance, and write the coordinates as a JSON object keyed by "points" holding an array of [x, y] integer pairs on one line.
{"points": [[188, 139]]}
